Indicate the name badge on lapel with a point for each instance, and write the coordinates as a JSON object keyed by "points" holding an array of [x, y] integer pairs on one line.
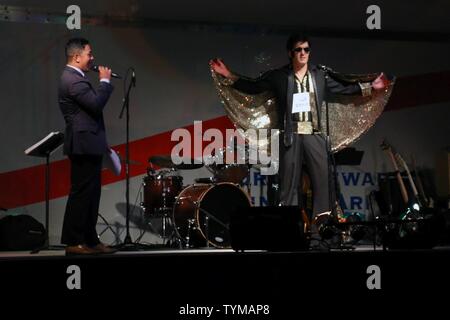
{"points": [[301, 102]]}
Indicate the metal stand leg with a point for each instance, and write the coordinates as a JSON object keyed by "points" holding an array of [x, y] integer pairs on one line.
{"points": [[191, 223], [207, 230], [164, 228], [108, 226]]}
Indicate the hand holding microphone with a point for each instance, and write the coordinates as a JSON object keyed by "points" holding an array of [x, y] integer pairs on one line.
{"points": [[105, 72]]}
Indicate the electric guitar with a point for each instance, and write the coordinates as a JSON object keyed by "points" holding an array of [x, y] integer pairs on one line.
{"points": [[387, 147], [420, 201], [410, 179], [413, 208]]}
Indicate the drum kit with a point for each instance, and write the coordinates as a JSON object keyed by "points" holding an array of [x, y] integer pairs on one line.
{"points": [[196, 215]]}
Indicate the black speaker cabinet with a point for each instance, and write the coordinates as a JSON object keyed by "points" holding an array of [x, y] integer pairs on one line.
{"points": [[268, 228]]}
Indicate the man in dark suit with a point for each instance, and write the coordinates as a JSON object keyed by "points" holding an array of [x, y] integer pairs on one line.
{"points": [[85, 143], [299, 89]]}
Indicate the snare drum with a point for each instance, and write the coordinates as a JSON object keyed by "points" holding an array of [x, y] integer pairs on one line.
{"points": [[235, 173]]}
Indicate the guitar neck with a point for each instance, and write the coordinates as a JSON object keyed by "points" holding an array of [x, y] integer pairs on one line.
{"points": [[410, 179], [403, 191], [419, 183]]}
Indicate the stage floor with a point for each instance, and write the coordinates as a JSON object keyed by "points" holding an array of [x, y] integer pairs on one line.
{"points": [[211, 250], [173, 279], [59, 252]]}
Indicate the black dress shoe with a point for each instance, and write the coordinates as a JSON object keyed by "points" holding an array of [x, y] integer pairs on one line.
{"points": [[79, 250], [102, 249]]}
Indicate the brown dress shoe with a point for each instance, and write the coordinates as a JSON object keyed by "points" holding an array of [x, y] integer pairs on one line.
{"points": [[79, 249], [103, 249]]}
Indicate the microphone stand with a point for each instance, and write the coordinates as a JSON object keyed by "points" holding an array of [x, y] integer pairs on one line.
{"points": [[128, 244], [332, 172], [330, 158]]}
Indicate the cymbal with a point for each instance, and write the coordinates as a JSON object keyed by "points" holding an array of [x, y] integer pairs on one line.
{"points": [[187, 166], [165, 161], [132, 162]]}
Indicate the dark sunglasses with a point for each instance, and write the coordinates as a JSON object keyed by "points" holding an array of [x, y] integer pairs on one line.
{"points": [[307, 49]]}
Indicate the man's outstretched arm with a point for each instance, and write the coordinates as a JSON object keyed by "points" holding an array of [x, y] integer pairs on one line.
{"points": [[244, 84]]}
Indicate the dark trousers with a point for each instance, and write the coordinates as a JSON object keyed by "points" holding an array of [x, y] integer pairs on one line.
{"points": [[81, 214], [311, 150]]}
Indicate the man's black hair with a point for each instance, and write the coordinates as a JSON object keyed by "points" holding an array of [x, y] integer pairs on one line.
{"points": [[74, 46], [294, 38]]}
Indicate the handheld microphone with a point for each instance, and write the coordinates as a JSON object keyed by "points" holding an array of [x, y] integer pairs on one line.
{"points": [[324, 68], [114, 75], [133, 78]]}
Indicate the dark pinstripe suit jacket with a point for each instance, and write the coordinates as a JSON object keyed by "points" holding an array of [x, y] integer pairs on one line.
{"points": [[82, 108]]}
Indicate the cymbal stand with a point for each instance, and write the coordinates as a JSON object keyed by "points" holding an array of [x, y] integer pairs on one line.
{"points": [[249, 184], [165, 211], [108, 226], [207, 216]]}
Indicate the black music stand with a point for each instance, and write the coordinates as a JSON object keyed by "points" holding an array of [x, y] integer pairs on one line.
{"points": [[43, 149], [271, 228], [348, 157], [344, 157]]}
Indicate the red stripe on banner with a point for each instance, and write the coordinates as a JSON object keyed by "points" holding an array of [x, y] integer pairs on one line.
{"points": [[27, 186], [419, 90]]}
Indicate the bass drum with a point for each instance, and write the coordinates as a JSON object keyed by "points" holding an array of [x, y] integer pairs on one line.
{"points": [[201, 213]]}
